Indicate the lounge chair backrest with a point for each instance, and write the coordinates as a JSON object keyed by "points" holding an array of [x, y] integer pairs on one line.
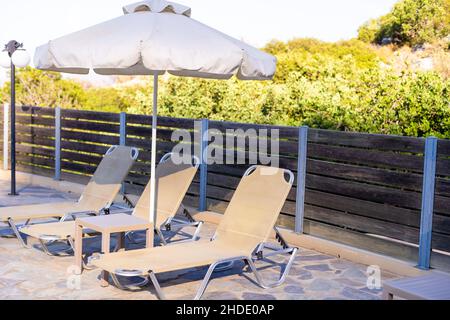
{"points": [[172, 183], [106, 181], [255, 205]]}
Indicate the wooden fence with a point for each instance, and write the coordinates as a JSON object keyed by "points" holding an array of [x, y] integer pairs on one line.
{"points": [[360, 189]]}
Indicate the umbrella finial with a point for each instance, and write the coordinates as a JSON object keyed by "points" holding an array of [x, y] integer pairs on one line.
{"points": [[157, 6]]}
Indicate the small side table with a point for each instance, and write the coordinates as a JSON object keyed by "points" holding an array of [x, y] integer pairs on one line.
{"points": [[107, 225], [431, 286]]}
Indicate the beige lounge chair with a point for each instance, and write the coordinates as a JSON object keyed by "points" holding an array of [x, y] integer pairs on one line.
{"points": [[241, 235], [172, 181], [96, 198]]}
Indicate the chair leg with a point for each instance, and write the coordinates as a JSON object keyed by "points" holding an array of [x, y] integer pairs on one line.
{"points": [[161, 236], [261, 281], [159, 292], [205, 282], [130, 237], [45, 248], [85, 260], [117, 282], [212, 267], [387, 295], [14, 228], [155, 282], [197, 231], [151, 276]]}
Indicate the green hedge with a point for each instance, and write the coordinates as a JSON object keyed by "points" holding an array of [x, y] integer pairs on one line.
{"points": [[343, 86]]}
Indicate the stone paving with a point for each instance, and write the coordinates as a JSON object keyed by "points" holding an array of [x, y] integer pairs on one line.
{"points": [[31, 274]]}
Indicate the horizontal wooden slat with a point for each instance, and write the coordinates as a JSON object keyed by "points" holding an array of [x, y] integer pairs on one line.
{"points": [[35, 150], [443, 187], [364, 191], [162, 121], [36, 131], [374, 226], [362, 224], [369, 141], [443, 148], [366, 157], [443, 167], [77, 167], [35, 170], [34, 120], [90, 126], [409, 181], [384, 212], [233, 170], [264, 146], [163, 134], [146, 144], [90, 137], [90, 115], [81, 157], [402, 198], [284, 131], [84, 147], [74, 177], [41, 161], [36, 140]]}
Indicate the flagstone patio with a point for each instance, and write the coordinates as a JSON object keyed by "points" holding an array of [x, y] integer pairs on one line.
{"points": [[31, 274]]}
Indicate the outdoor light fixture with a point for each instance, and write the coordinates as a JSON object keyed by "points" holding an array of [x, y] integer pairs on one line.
{"points": [[11, 57]]}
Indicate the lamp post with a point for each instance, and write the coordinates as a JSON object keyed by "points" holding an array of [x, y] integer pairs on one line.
{"points": [[11, 57]]}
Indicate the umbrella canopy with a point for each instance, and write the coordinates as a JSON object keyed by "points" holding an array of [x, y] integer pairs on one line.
{"points": [[155, 36], [151, 38]]}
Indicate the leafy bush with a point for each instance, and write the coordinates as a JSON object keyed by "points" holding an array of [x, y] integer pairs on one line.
{"points": [[336, 96], [106, 99], [37, 88], [342, 86], [411, 22]]}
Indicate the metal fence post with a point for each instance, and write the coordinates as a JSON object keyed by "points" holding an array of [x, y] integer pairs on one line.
{"points": [[301, 178], [123, 129], [5, 136], [123, 137], [426, 218], [58, 143], [203, 164]]}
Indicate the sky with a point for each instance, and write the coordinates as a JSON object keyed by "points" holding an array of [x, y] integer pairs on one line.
{"points": [[34, 22]]}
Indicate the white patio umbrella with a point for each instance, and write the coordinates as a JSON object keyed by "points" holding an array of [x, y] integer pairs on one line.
{"points": [[151, 38]]}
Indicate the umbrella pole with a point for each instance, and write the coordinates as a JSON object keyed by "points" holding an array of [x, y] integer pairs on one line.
{"points": [[153, 156]]}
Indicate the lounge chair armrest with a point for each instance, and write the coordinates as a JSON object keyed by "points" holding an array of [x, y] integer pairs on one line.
{"points": [[179, 224], [274, 250]]}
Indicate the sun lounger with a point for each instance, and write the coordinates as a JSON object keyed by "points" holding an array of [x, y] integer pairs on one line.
{"points": [[97, 196], [172, 181], [242, 234]]}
